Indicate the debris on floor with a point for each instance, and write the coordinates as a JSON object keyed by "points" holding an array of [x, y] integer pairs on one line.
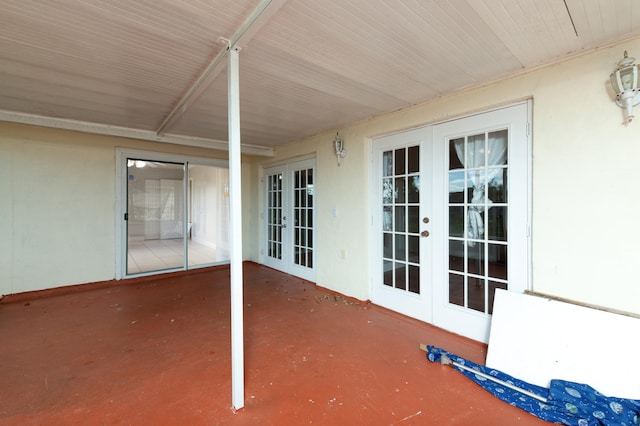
{"points": [[337, 299]]}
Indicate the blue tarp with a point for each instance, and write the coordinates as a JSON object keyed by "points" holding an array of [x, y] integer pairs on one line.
{"points": [[567, 403]]}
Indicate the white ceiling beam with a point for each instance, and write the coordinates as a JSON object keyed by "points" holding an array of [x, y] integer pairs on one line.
{"points": [[247, 32], [126, 132], [244, 33]]}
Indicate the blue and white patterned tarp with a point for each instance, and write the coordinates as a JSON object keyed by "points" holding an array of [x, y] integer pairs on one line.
{"points": [[567, 403]]}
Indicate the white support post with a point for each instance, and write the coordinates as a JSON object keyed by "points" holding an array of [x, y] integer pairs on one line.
{"points": [[235, 199]]}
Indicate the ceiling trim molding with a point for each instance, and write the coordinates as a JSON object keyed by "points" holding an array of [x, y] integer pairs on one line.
{"points": [[126, 132]]}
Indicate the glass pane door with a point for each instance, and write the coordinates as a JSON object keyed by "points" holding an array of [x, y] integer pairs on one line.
{"points": [[478, 210], [155, 216], [402, 223], [208, 214], [175, 213], [274, 223], [303, 217], [483, 176], [401, 218], [451, 218], [290, 218]]}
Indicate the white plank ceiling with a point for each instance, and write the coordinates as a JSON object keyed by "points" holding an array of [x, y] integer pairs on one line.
{"points": [[307, 66]]}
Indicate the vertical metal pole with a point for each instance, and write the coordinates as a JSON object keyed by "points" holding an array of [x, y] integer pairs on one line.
{"points": [[235, 199], [185, 218]]}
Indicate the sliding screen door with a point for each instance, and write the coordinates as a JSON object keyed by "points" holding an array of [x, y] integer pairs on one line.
{"points": [[208, 212], [175, 213], [155, 219]]}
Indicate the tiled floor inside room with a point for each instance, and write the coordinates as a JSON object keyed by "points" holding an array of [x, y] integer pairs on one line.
{"points": [[156, 350], [157, 255]]}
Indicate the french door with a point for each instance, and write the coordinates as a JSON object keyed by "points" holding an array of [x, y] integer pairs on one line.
{"points": [[402, 223], [290, 218], [451, 218]]}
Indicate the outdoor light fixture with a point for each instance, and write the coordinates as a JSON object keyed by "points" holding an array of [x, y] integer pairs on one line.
{"points": [[624, 81], [338, 144]]}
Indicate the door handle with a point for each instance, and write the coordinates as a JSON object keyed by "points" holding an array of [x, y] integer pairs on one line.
{"points": [[424, 234]]}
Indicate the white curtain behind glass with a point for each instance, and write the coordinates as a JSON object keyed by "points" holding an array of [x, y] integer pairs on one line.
{"points": [[475, 160]]}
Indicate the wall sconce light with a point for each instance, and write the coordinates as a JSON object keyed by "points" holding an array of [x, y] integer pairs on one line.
{"points": [[624, 81], [338, 144]]}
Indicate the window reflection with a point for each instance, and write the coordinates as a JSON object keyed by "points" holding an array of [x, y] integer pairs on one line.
{"points": [[478, 218], [400, 186]]}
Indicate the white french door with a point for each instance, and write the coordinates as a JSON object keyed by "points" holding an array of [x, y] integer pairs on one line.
{"points": [[452, 218], [290, 218], [402, 223]]}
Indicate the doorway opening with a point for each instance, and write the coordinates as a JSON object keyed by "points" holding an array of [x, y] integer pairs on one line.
{"points": [[290, 218], [173, 213], [451, 207]]}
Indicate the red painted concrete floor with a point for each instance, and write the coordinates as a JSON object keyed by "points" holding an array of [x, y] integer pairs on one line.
{"points": [[157, 351]]}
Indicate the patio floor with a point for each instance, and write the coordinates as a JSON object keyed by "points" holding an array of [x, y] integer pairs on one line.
{"points": [[156, 350]]}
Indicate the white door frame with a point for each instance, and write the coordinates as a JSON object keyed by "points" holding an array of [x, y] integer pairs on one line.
{"points": [[272, 261], [411, 304], [286, 264], [515, 118], [121, 156], [439, 261]]}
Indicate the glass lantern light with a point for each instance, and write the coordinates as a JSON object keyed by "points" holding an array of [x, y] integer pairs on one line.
{"points": [[624, 81]]}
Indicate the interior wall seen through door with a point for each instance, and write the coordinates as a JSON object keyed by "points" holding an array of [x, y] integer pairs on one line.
{"points": [[170, 228]]}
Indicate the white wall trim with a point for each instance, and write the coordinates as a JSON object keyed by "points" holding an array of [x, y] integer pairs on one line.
{"points": [[126, 132]]}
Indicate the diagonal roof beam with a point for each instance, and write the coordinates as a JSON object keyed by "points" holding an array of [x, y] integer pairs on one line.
{"points": [[249, 28]]}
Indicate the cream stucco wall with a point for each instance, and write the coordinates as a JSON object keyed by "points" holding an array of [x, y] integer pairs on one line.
{"points": [[57, 214], [585, 203]]}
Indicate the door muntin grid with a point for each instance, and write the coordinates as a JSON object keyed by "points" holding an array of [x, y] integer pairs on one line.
{"points": [[401, 219], [274, 216], [478, 212], [303, 217]]}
